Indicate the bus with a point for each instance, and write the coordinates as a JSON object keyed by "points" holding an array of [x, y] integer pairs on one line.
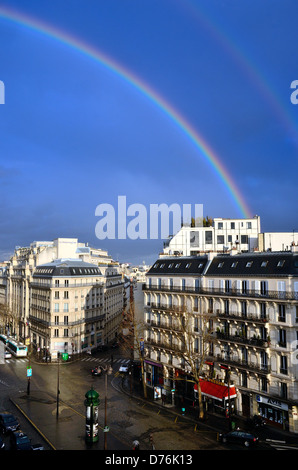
{"points": [[17, 349], [3, 339]]}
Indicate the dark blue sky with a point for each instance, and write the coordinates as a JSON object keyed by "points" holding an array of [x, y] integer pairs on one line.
{"points": [[74, 134]]}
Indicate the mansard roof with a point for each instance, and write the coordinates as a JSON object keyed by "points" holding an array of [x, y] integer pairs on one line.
{"points": [[267, 264], [66, 268], [189, 265], [255, 264]]}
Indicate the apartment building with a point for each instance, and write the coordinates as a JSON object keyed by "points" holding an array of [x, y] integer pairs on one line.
{"points": [[238, 235], [223, 235], [26, 284], [248, 305]]}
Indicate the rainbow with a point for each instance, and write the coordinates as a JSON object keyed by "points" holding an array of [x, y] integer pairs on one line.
{"points": [[250, 71], [94, 54]]}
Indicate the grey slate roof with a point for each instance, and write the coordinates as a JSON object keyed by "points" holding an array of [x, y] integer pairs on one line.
{"points": [[66, 268], [265, 264], [255, 264], [179, 265]]}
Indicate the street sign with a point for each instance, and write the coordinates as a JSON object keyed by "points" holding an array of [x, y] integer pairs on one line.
{"points": [[64, 356], [106, 429], [29, 372]]}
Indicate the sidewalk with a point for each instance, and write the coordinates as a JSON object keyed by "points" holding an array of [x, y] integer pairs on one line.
{"points": [[40, 409], [214, 421], [68, 431]]}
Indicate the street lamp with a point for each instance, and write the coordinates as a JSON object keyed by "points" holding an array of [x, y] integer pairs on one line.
{"points": [[108, 371]]}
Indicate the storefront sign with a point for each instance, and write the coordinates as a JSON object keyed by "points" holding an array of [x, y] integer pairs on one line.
{"points": [[272, 402]]}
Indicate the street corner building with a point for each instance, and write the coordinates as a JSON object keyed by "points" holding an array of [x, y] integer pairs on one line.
{"points": [[61, 296], [232, 318]]}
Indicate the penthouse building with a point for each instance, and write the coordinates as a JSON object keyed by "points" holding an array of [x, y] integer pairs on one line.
{"points": [[248, 305]]}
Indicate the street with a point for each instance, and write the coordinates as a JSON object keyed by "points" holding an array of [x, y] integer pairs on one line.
{"points": [[128, 417]]}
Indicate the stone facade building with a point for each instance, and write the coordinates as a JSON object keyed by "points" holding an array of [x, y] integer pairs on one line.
{"points": [[248, 304]]}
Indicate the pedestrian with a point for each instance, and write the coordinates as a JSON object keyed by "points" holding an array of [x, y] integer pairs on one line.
{"points": [[135, 445], [151, 440]]}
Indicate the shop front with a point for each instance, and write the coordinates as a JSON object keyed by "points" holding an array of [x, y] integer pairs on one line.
{"points": [[153, 374], [274, 411], [218, 396]]}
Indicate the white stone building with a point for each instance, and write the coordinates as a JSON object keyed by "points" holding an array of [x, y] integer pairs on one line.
{"points": [[22, 279], [249, 302]]}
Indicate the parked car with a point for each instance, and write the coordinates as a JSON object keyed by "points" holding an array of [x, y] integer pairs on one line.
{"points": [[8, 422], [20, 441], [37, 447], [239, 437], [7, 355], [123, 369], [97, 371], [2, 445]]}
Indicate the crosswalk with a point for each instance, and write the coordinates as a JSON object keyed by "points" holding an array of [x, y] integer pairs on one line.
{"points": [[281, 445], [105, 360], [16, 359]]}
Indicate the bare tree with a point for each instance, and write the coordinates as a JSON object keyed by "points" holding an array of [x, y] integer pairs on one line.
{"points": [[7, 317], [132, 337], [194, 333]]}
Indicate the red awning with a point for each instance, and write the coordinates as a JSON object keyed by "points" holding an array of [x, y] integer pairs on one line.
{"points": [[215, 390]]}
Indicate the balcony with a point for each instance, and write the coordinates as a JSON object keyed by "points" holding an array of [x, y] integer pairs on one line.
{"points": [[253, 342], [242, 318], [163, 344], [164, 326], [248, 293], [237, 362]]}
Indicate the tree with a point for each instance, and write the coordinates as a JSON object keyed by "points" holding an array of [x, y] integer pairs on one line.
{"points": [[7, 317], [132, 337], [194, 346]]}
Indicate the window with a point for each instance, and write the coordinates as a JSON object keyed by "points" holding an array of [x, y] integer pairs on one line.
{"points": [[248, 225], [65, 308], [244, 239], [232, 225], [280, 263], [66, 283], [220, 225], [220, 239], [56, 307], [56, 320], [208, 237], [244, 287], [282, 339], [244, 308], [66, 294], [234, 264], [65, 319], [249, 264], [56, 332], [264, 287], [283, 365], [56, 282], [282, 313], [227, 285], [220, 265], [65, 332], [264, 264], [283, 390]]}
